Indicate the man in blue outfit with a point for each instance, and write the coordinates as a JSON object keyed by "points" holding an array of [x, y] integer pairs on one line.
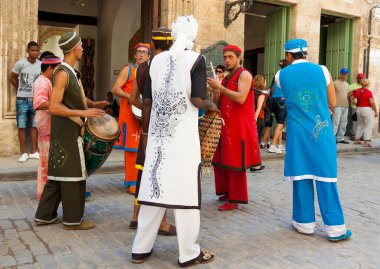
{"points": [[310, 143]]}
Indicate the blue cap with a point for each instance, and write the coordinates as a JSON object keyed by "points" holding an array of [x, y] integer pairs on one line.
{"points": [[296, 45], [344, 71]]}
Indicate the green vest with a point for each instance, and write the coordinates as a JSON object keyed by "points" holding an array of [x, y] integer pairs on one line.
{"points": [[66, 158]]}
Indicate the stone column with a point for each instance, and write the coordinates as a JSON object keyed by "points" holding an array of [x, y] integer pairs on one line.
{"points": [[18, 26], [305, 23], [210, 18]]}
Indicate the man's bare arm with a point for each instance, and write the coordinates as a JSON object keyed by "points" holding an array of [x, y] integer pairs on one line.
{"points": [[119, 83], [13, 79]]}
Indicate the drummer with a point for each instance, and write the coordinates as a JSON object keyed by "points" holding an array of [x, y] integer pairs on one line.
{"points": [[129, 126], [161, 41], [66, 168]]}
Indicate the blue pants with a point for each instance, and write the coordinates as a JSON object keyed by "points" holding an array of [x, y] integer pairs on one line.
{"points": [[329, 204]]}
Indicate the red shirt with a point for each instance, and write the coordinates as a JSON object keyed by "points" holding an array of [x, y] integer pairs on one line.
{"points": [[362, 96]]}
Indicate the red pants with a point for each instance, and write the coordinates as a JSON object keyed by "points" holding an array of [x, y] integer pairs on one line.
{"points": [[130, 169], [232, 183]]}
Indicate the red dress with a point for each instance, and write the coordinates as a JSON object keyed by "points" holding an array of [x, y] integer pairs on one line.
{"points": [[238, 147]]}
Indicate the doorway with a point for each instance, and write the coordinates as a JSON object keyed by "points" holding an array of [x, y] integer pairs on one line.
{"points": [[335, 48], [267, 27]]}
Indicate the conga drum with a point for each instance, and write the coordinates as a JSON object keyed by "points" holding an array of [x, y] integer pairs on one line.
{"points": [[99, 138]]}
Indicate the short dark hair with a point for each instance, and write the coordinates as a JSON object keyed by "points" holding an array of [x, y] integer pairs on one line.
{"points": [[45, 67], [220, 66], [298, 55], [46, 53], [162, 44], [32, 44]]}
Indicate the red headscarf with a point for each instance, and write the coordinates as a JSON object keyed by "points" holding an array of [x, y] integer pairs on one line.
{"points": [[232, 48], [142, 45]]}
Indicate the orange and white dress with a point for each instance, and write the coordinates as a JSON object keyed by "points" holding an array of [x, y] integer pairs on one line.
{"points": [[130, 131]]}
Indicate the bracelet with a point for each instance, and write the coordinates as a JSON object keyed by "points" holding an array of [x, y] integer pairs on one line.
{"points": [[143, 133]]}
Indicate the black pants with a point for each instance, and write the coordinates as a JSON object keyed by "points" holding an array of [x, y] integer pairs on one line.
{"points": [[72, 195], [260, 128]]}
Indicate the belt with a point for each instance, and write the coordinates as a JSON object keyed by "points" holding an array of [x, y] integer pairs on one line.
{"points": [[25, 98]]}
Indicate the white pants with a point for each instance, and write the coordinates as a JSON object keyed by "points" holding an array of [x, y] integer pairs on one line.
{"points": [[187, 223], [365, 123], [340, 122]]}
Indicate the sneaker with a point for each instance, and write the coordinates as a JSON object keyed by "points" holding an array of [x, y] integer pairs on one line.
{"points": [[274, 149], [281, 147], [340, 238], [85, 225], [344, 142], [268, 145], [87, 195], [35, 155], [24, 157], [263, 146]]}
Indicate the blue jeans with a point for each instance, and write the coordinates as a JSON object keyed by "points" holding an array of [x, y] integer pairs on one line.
{"points": [[25, 112], [340, 122]]}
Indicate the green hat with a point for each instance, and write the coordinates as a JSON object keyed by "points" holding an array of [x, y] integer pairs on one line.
{"points": [[68, 41]]}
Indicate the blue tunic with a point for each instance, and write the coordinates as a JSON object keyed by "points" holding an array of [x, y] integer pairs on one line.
{"points": [[277, 92], [310, 144]]}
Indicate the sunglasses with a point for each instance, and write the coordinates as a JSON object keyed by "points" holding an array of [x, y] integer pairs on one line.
{"points": [[219, 71]]}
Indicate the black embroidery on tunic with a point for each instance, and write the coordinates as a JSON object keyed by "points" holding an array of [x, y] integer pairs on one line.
{"points": [[169, 103]]}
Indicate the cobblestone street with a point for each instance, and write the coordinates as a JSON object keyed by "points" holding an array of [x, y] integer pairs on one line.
{"points": [[258, 235]]}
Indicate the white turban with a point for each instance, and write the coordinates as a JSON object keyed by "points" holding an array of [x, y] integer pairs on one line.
{"points": [[184, 32]]}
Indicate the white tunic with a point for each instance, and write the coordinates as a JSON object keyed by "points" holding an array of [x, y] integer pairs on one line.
{"points": [[171, 170]]}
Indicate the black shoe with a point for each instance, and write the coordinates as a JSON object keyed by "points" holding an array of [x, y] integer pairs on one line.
{"points": [[344, 142], [140, 257], [255, 169]]}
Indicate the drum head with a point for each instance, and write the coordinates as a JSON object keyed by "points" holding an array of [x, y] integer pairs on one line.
{"points": [[105, 127]]}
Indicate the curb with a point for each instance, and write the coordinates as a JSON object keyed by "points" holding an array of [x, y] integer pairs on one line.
{"points": [[23, 174], [31, 173]]}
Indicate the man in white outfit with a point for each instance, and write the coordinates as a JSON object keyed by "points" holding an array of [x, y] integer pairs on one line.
{"points": [[173, 92]]}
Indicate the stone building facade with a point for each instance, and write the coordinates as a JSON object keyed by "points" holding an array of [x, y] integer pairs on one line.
{"points": [[19, 23]]}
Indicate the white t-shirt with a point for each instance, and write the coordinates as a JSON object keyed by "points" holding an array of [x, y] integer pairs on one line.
{"points": [[27, 74]]}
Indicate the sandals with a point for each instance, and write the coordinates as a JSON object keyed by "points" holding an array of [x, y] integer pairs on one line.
{"points": [[255, 169], [171, 232], [357, 143], [140, 257], [367, 145], [204, 257], [133, 225]]}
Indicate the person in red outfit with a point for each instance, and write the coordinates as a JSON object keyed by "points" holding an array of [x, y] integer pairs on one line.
{"points": [[238, 148], [365, 104]]}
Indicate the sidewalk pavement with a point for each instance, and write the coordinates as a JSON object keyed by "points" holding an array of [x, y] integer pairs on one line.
{"points": [[12, 170]]}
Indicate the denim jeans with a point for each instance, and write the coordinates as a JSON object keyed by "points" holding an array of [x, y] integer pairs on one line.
{"points": [[340, 122]]}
